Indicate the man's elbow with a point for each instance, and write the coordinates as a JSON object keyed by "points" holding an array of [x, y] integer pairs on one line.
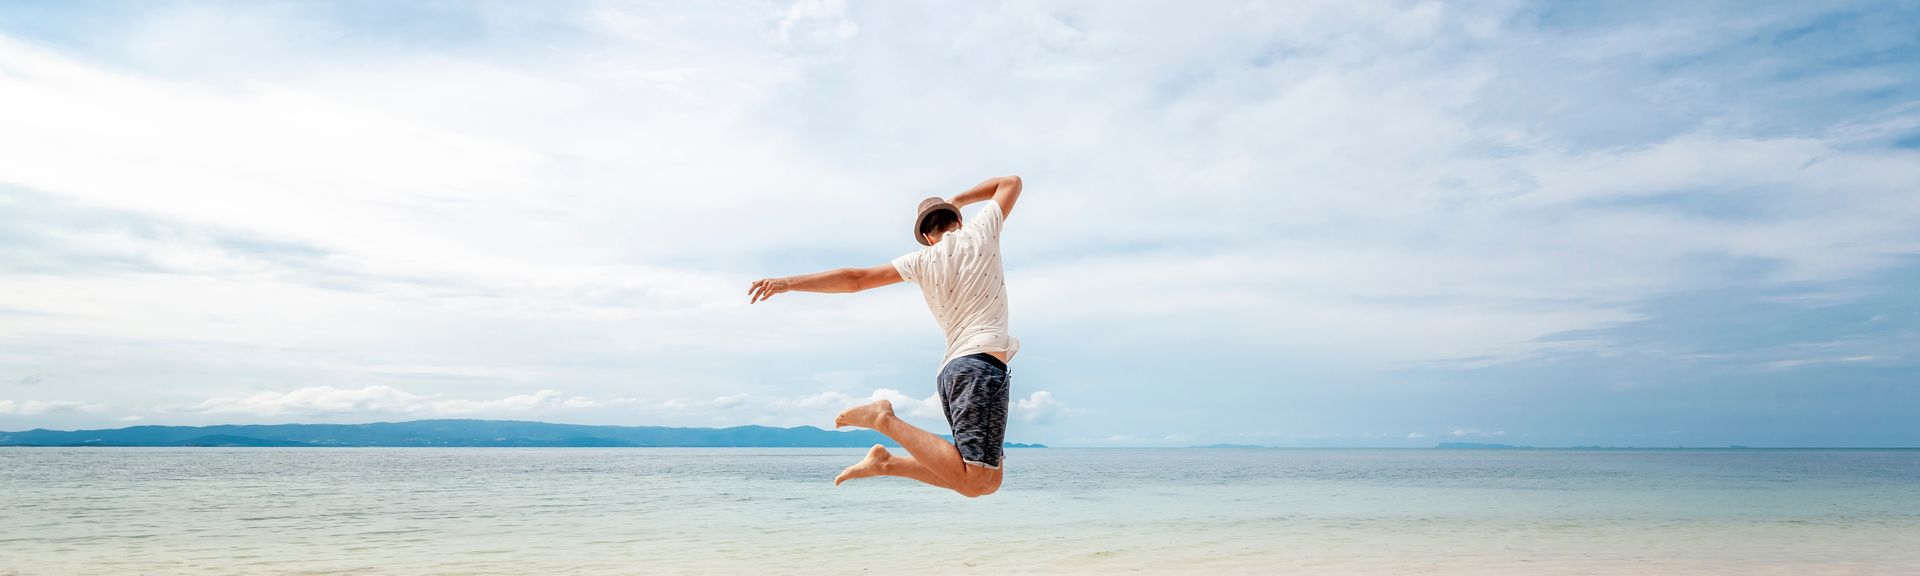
{"points": [[1008, 191], [1008, 194]]}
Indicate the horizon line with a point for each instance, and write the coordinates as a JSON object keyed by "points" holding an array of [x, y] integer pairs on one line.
{"points": [[1444, 445]]}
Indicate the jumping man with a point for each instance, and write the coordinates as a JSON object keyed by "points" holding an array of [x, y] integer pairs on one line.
{"points": [[959, 273]]}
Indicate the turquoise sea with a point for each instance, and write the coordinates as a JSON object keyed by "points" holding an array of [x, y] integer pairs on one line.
{"points": [[78, 511]]}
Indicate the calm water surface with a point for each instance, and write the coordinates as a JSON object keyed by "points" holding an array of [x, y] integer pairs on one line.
{"points": [[776, 511]]}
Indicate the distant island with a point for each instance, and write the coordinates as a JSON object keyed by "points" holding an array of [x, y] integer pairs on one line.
{"points": [[1479, 446], [456, 434]]}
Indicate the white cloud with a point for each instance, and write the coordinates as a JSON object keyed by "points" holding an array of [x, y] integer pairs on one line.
{"points": [[515, 404], [1041, 407], [377, 400], [1415, 435], [729, 401], [828, 399], [38, 407], [1476, 433], [1779, 365], [585, 402], [316, 400], [816, 21]]}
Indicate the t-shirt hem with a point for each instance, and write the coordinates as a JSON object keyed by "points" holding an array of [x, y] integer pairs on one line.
{"points": [[964, 352]]}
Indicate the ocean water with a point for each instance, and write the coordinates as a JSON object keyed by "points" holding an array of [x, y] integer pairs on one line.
{"points": [[775, 511]]}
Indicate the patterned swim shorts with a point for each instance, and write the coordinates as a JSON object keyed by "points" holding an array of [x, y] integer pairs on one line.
{"points": [[975, 390]]}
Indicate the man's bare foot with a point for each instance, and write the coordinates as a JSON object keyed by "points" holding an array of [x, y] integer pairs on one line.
{"points": [[864, 415], [869, 466]]}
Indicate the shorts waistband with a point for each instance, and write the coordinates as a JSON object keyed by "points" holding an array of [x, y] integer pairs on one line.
{"points": [[988, 358]]}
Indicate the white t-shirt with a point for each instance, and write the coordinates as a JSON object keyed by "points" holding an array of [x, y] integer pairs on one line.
{"points": [[965, 289]]}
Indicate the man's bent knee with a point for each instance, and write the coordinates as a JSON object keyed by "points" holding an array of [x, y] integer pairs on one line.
{"points": [[980, 482]]}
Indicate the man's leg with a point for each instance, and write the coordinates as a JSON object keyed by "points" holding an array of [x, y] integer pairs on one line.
{"points": [[880, 462], [934, 460]]}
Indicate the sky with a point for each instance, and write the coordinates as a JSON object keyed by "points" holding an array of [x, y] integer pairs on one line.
{"points": [[1306, 224]]}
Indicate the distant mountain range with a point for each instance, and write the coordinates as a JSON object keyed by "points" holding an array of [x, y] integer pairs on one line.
{"points": [[455, 433], [1478, 446]]}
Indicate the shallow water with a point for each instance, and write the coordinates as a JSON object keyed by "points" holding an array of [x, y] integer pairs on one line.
{"points": [[775, 511]]}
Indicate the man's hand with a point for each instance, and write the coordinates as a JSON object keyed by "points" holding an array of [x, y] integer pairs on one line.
{"points": [[765, 288], [1004, 190]]}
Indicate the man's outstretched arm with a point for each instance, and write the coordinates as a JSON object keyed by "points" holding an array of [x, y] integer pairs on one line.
{"points": [[839, 280], [1003, 189]]}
